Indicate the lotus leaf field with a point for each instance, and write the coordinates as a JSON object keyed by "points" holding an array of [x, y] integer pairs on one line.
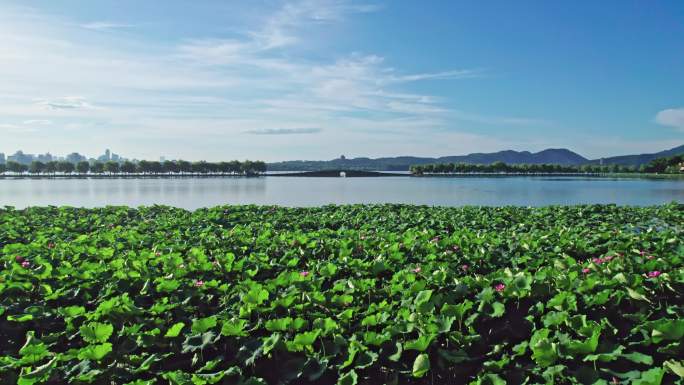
{"points": [[380, 294]]}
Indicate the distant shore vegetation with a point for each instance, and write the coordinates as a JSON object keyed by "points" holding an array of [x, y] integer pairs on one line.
{"points": [[143, 167], [668, 165]]}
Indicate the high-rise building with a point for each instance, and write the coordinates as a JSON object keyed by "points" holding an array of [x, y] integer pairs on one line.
{"points": [[20, 157], [106, 157], [2, 158], [47, 157], [75, 157]]}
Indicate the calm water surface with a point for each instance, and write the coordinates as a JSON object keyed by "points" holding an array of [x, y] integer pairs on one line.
{"points": [[192, 193]]}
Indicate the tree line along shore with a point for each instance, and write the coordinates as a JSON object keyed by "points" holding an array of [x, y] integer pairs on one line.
{"points": [[673, 165], [143, 167], [668, 165]]}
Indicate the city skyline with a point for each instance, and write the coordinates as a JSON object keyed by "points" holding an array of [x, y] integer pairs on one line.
{"points": [[21, 157]]}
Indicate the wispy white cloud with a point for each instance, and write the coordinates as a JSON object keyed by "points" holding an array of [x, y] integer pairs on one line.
{"points": [[39, 122], [280, 29], [672, 117], [104, 25], [65, 103], [453, 74], [284, 131]]}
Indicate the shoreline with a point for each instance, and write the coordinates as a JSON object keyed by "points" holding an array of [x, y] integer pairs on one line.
{"points": [[336, 174]]}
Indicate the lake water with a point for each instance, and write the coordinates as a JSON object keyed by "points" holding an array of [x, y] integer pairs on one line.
{"points": [[192, 193]]}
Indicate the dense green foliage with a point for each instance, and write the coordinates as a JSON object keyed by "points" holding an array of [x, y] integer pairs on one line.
{"points": [[660, 165], [349, 295], [168, 167], [672, 164]]}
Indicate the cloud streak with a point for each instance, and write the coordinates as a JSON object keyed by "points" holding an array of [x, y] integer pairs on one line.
{"points": [[39, 122], [65, 103], [284, 131], [104, 25]]}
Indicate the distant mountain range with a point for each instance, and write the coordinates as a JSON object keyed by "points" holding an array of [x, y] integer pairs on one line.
{"points": [[402, 163], [637, 160]]}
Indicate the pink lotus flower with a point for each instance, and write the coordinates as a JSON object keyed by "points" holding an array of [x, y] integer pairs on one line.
{"points": [[607, 257], [25, 264], [585, 270], [464, 267], [304, 273], [653, 274], [416, 270], [500, 287], [199, 283], [650, 257], [598, 261]]}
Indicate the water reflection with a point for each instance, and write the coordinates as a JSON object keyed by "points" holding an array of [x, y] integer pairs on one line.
{"points": [[292, 191]]}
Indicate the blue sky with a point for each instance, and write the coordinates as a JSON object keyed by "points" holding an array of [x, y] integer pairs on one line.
{"points": [[293, 79]]}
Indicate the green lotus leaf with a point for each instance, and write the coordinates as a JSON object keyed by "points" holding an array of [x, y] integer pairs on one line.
{"points": [[544, 352], [141, 382], [555, 318], [198, 342], [255, 296], [168, 285], [33, 350], [20, 317], [365, 359], [650, 377], [498, 309], [234, 328], [270, 342], [72, 311], [667, 330], [202, 325], [636, 295], [174, 330], [349, 378], [326, 325], [96, 332], [281, 324], [178, 378], [420, 344], [675, 367], [307, 338], [39, 374], [95, 352], [638, 358], [421, 365]]}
